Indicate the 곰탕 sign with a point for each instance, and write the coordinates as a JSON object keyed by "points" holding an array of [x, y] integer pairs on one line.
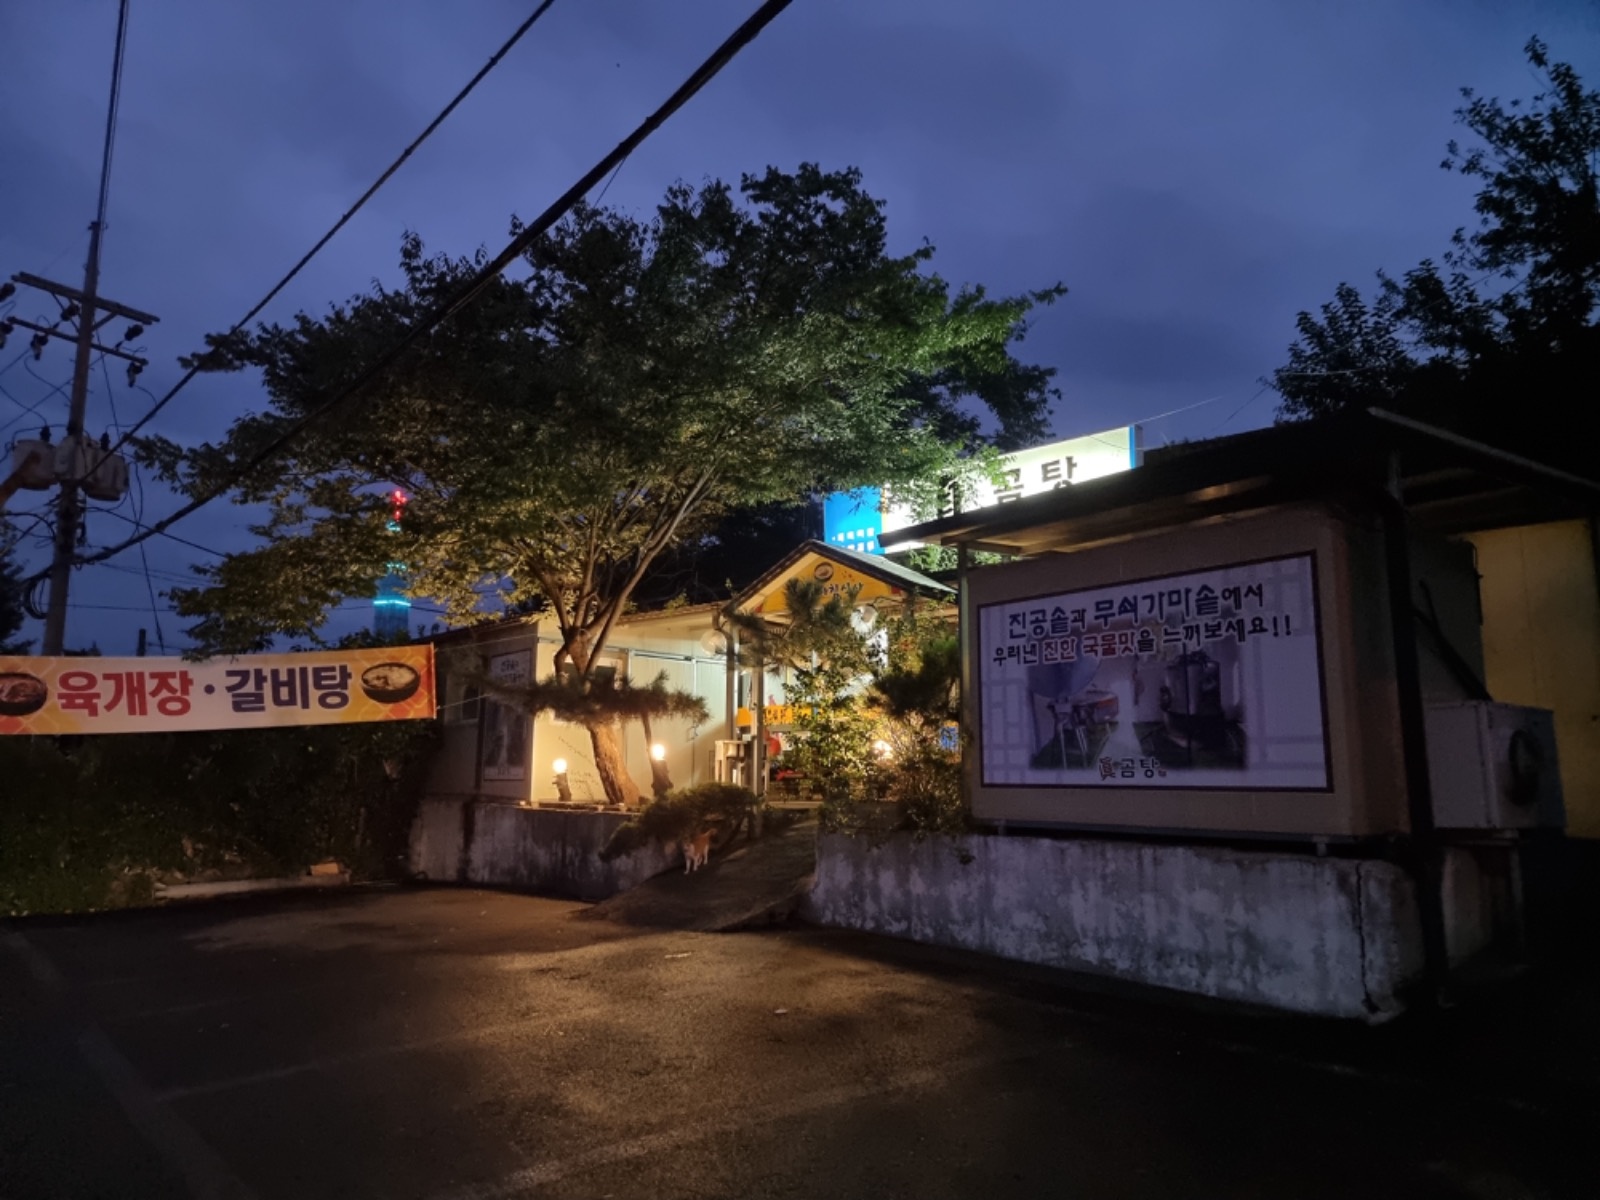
{"points": [[159, 695]]}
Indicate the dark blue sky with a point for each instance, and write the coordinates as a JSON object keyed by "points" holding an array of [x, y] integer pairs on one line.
{"points": [[1195, 174]]}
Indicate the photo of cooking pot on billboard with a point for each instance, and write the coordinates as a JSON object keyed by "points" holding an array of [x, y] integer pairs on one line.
{"points": [[1205, 680]]}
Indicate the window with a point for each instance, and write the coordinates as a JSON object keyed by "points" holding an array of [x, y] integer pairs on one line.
{"points": [[610, 668], [462, 702]]}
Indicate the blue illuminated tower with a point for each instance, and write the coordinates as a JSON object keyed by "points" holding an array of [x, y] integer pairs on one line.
{"points": [[391, 611]]}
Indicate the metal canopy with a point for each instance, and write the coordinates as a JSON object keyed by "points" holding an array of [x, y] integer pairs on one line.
{"points": [[1451, 485]]}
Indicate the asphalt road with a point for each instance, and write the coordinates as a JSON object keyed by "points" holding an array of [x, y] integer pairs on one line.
{"points": [[464, 1044]]}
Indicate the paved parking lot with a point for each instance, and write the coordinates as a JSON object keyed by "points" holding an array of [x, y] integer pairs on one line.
{"points": [[460, 1044]]}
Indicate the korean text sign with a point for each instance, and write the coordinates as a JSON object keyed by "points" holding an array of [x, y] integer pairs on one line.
{"points": [[1211, 679], [506, 730], [154, 695]]}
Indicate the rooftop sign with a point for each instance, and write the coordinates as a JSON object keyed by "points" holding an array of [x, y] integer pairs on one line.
{"points": [[862, 519]]}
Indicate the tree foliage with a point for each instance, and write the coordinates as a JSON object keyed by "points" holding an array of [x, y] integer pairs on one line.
{"points": [[640, 380], [872, 701], [825, 653], [11, 612], [916, 698], [588, 701], [721, 808], [1504, 327]]}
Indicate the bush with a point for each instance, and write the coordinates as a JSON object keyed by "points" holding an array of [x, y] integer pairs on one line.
{"points": [[683, 813], [925, 788], [96, 822]]}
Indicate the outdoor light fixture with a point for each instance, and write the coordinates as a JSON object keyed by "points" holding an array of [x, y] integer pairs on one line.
{"points": [[658, 752], [882, 751], [563, 791]]}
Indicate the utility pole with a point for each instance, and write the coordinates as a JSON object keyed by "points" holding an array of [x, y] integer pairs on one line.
{"points": [[76, 456]]}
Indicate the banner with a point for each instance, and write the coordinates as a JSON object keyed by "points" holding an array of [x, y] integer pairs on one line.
{"points": [[1211, 679], [158, 695]]}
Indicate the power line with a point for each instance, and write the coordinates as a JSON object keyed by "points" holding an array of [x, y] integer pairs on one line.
{"points": [[138, 509], [1264, 388], [165, 576], [405, 154], [108, 607], [32, 410], [463, 296], [148, 531]]}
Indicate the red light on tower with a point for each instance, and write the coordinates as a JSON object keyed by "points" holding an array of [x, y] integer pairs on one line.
{"points": [[390, 608]]}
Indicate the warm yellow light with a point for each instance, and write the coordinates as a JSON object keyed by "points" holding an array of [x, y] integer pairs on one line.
{"points": [[882, 749], [560, 766], [658, 752]]}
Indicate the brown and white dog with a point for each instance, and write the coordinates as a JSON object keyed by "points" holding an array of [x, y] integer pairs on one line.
{"points": [[696, 850]]}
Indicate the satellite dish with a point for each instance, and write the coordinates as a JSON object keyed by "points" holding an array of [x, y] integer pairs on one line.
{"points": [[714, 641]]}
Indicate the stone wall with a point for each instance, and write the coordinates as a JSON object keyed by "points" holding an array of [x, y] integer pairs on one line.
{"points": [[1330, 936], [543, 850]]}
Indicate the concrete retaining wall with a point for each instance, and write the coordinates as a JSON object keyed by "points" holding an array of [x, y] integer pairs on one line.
{"points": [[543, 850], [1329, 936]]}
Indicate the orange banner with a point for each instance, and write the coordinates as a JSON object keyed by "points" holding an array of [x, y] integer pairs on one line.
{"points": [[157, 695]]}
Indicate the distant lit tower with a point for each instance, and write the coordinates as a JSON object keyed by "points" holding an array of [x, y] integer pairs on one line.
{"points": [[391, 611]]}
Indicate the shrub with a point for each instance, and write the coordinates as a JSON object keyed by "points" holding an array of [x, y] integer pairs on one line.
{"points": [[683, 813], [93, 822]]}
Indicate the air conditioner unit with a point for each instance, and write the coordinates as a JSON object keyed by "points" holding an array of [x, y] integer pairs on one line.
{"points": [[1493, 766]]}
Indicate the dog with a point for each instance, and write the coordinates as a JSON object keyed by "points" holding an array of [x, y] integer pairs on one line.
{"points": [[696, 850]]}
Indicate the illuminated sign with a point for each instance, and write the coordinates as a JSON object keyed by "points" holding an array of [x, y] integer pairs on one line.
{"points": [[1210, 679], [862, 520]]}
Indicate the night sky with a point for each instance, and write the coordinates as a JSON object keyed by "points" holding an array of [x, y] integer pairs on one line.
{"points": [[1195, 174]]}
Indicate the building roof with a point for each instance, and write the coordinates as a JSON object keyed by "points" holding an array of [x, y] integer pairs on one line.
{"points": [[873, 566], [1450, 484]]}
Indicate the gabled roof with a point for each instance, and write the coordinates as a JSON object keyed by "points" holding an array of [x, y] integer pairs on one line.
{"points": [[891, 575]]}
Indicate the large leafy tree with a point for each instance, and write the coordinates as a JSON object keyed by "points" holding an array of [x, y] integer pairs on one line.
{"points": [[639, 380], [1500, 338]]}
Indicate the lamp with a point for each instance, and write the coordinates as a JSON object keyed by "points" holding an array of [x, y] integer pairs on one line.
{"points": [[658, 752], [563, 790]]}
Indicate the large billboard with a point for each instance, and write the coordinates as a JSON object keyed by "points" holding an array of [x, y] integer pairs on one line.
{"points": [[158, 695], [1210, 679], [862, 519]]}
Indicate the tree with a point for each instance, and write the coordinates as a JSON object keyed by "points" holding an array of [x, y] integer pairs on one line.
{"points": [[917, 698], [644, 378], [11, 611], [826, 657], [730, 555], [1436, 346]]}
